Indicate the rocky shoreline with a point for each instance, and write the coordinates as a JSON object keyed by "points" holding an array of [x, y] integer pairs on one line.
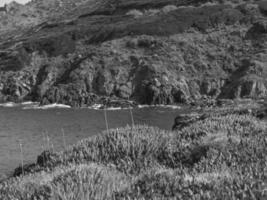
{"points": [[209, 55], [238, 107], [213, 136], [164, 53]]}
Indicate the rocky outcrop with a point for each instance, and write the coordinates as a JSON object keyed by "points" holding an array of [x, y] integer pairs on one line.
{"points": [[149, 52], [223, 107], [45, 158], [263, 7], [261, 113], [184, 120], [249, 81], [23, 170]]}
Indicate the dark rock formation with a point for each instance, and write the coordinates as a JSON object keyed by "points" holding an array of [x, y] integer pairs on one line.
{"points": [[262, 113], [258, 28], [52, 45], [24, 170], [151, 52], [184, 120], [44, 160], [119, 104], [44, 157], [223, 107], [263, 7]]}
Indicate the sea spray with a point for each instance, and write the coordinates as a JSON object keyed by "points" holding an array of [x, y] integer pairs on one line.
{"points": [[35, 106]]}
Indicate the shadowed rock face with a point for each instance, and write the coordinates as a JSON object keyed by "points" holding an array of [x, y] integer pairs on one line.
{"points": [[263, 7], [152, 52], [182, 121]]}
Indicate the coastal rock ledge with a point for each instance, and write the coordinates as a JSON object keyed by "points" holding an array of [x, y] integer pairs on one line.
{"points": [[149, 52]]}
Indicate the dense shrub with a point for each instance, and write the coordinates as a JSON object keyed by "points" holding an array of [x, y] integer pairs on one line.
{"points": [[221, 157]]}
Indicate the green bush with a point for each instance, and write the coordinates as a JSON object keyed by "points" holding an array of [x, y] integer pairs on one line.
{"points": [[221, 157]]}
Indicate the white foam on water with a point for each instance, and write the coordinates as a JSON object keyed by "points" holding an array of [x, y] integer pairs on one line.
{"points": [[170, 106], [45, 107], [119, 108], [12, 104], [101, 107], [29, 103], [144, 106], [9, 105], [114, 108], [95, 106], [175, 107], [55, 105], [36, 105]]}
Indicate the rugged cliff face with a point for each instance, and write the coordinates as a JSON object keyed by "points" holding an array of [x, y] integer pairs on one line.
{"points": [[149, 51]]}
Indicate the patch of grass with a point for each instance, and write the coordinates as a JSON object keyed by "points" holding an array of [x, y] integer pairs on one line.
{"points": [[221, 157]]}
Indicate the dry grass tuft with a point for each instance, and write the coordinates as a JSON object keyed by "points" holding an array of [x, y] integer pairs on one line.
{"points": [[220, 157]]}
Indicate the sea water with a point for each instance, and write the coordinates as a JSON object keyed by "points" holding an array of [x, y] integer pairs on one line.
{"points": [[32, 125]]}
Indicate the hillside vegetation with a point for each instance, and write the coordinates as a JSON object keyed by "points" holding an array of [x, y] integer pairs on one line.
{"points": [[151, 52], [130, 52], [221, 157]]}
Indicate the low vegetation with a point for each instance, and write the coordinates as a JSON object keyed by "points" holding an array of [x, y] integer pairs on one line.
{"points": [[221, 157]]}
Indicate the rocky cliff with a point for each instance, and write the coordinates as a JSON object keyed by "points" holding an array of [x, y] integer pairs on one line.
{"points": [[148, 51]]}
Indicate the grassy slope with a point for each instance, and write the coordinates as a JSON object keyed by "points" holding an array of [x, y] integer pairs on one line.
{"points": [[223, 157]]}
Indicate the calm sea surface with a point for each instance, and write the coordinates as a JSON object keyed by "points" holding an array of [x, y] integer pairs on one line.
{"points": [[25, 126]]}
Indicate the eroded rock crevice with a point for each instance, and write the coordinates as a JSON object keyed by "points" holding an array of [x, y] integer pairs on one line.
{"points": [[152, 52]]}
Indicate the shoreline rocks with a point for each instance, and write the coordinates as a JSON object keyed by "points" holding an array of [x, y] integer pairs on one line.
{"points": [[223, 107], [184, 120], [176, 55]]}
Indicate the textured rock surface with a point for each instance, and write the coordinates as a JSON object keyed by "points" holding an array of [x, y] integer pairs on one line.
{"points": [[184, 120], [224, 108], [151, 52], [263, 7]]}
